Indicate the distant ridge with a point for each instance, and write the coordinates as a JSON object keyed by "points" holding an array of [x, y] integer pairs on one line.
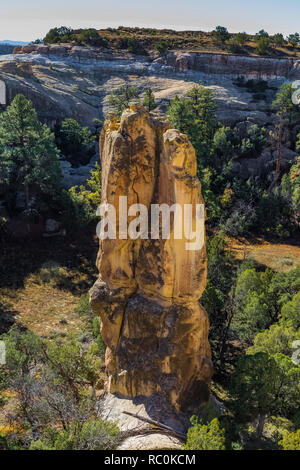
{"points": [[14, 43]]}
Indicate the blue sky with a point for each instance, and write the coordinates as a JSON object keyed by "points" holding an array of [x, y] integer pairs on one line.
{"points": [[31, 19]]}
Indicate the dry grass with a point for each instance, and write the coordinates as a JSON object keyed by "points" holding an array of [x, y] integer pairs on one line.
{"points": [[277, 256], [41, 283], [201, 41], [42, 307]]}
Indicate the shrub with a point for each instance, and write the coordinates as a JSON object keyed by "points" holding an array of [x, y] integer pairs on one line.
{"points": [[92, 324], [93, 434], [254, 143], [162, 46], [205, 437], [195, 115], [262, 46], [240, 220], [264, 384], [220, 34], [262, 34], [89, 36], [56, 35], [254, 305], [237, 41], [290, 313], [121, 99], [278, 40], [76, 142], [80, 203], [294, 39], [276, 339], [290, 441]]}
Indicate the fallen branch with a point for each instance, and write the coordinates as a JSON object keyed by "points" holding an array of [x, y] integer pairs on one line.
{"points": [[157, 424]]}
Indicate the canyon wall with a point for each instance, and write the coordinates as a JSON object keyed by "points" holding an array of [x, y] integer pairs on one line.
{"points": [[65, 80], [148, 291], [70, 81], [208, 63]]}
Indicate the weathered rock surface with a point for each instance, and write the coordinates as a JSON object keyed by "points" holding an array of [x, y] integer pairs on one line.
{"points": [[63, 81], [147, 294], [67, 81], [151, 441], [209, 63]]}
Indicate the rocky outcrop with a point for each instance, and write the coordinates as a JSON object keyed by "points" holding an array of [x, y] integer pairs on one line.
{"points": [[148, 291], [206, 62], [233, 65], [66, 80]]}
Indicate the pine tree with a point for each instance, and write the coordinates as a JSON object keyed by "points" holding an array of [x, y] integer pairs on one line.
{"points": [[149, 100], [195, 115], [205, 437], [121, 99], [28, 154]]}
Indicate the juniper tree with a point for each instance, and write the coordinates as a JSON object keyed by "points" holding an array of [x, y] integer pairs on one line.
{"points": [[149, 100], [121, 99]]}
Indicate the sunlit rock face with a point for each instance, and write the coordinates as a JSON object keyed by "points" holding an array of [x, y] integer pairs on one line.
{"points": [[148, 291]]}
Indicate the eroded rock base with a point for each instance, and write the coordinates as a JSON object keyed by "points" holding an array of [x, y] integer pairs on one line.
{"points": [[148, 291]]}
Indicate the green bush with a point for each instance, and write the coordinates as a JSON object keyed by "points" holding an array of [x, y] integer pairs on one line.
{"points": [[80, 203], [76, 142], [264, 384], [162, 46], [278, 40], [294, 39], [263, 45], [133, 45], [57, 35], [205, 437], [290, 441], [251, 146], [92, 322], [149, 100], [276, 339], [93, 434], [237, 42], [121, 99], [220, 35], [90, 37], [290, 313]]}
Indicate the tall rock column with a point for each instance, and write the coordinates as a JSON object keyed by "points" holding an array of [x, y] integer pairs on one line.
{"points": [[148, 291]]}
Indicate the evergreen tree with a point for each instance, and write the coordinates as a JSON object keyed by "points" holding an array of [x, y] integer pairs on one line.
{"points": [[121, 99], [76, 142], [294, 39], [264, 385], [149, 100], [195, 115], [286, 112], [28, 154], [220, 35], [205, 437]]}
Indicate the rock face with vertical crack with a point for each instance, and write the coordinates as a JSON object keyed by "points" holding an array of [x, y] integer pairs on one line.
{"points": [[148, 291]]}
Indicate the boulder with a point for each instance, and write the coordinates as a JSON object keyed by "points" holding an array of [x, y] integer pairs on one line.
{"points": [[51, 226]]}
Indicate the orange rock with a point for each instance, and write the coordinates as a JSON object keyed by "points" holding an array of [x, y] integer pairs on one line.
{"points": [[148, 291]]}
